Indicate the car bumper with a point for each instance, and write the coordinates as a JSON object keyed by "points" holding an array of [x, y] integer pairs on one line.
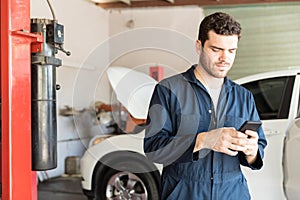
{"points": [[87, 165]]}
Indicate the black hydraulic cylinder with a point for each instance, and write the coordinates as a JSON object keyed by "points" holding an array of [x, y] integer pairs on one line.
{"points": [[43, 94]]}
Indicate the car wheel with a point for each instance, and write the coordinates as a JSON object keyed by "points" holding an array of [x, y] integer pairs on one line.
{"points": [[122, 182], [127, 185]]}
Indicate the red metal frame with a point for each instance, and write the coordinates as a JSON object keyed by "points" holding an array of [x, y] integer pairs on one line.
{"points": [[18, 181], [37, 40]]}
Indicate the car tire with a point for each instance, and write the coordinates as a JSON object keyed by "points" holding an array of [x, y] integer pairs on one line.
{"points": [[122, 181]]}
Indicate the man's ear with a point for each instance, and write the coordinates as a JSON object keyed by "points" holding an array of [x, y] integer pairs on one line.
{"points": [[198, 47]]}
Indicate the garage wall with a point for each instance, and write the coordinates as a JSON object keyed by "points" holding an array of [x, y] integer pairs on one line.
{"points": [[270, 37], [143, 37], [177, 20]]}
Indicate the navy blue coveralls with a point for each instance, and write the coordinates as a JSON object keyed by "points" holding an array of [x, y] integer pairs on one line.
{"points": [[181, 108]]}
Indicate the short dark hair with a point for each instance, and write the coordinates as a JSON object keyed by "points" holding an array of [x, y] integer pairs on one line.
{"points": [[220, 23]]}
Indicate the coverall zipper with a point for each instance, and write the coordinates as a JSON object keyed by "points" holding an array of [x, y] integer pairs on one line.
{"points": [[212, 156], [215, 119]]}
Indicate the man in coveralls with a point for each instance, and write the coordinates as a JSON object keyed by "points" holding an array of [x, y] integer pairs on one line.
{"points": [[193, 120]]}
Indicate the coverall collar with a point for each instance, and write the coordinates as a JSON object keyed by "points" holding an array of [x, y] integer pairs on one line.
{"points": [[190, 76]]}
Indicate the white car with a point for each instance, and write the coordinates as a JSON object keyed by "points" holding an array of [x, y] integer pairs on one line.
{"points": [[116, 168], [291, 164], [277, 100]]}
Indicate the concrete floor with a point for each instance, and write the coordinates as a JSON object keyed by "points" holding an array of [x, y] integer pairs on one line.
{"points": [[61, 188]]}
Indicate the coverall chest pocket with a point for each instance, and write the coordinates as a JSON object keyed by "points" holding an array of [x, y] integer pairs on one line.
{"points": [[192, 123], [187, 124]]}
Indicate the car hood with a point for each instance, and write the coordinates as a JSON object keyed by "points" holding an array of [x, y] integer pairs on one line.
{"points": [[133, 89]]}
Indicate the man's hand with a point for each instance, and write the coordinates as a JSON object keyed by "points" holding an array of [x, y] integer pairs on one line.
{"points": [[226, 140], [251, 146]]}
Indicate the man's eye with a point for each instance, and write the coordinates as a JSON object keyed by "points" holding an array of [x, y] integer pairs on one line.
{"points": [[215, 50], [232, 50]]}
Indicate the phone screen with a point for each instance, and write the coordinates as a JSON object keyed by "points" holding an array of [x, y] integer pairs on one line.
{"points": [[250, 125]]}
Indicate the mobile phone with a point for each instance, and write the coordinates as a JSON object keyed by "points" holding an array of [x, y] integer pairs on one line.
{"points": [[250, 125]]}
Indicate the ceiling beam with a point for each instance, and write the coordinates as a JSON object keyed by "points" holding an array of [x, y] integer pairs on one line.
{"points": [[160, 3]]}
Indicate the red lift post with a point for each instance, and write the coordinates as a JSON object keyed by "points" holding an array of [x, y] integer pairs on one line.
{"points": [[18, 180]]}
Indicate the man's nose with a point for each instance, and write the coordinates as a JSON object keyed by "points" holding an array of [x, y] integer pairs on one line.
{"points": [[224, 55]]}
